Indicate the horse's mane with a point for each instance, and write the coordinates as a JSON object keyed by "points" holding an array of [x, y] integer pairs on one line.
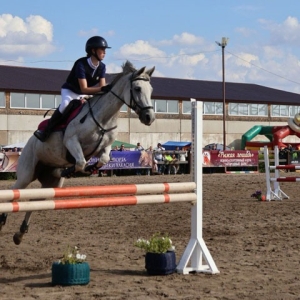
{"points": [[127, 67]]}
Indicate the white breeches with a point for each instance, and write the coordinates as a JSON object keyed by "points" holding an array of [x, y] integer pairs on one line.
{"points": [[66, 97]]}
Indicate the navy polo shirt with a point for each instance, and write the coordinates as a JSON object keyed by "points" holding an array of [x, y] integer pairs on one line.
{"points": [[82, 70]]}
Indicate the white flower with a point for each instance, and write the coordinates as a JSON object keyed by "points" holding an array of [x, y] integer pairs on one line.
{"points": [[172, 248]]}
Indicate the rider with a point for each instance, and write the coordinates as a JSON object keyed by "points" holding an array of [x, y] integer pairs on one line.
{"points": [[87, 77]]}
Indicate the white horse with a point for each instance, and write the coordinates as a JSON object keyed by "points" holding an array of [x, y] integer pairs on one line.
{"points": [[89, 134]]}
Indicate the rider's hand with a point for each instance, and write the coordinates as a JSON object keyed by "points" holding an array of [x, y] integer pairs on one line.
{"points": [[106, 88]]}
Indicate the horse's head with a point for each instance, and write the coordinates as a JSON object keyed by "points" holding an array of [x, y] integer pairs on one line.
{"points": [[138, 97]]}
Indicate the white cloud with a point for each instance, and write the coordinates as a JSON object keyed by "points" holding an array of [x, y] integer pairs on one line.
{"points": [[287, 32], [191, 60], [140, 49], [32, 36], [187, 39], [245, 59], [184, 39]]}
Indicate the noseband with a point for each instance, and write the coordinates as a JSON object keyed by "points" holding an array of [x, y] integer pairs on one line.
{"points": [[134, 105]]}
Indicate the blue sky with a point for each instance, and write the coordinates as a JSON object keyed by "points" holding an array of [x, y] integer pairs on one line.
{"points": [[177, 37]]}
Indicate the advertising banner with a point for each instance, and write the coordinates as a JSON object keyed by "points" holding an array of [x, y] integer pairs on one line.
{"points": [[127, 160], [118, 160], [9, 161], [294, 158], [235, 158]]}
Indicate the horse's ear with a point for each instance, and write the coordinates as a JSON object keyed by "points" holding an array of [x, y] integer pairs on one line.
{"points": [[150, 72], [139, 72]]}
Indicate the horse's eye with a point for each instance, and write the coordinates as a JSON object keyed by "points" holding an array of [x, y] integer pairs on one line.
{"points": [[137, 89]]}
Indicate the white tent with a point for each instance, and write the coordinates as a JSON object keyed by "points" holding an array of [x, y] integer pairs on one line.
{"points": [[18, 145]]}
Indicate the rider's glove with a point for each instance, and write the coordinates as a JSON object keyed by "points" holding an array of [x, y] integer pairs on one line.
{"points": [[106, 88]]}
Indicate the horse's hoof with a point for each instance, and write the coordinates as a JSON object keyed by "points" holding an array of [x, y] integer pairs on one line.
{"points": [[3, 218], [18, 238], [68, 172]]}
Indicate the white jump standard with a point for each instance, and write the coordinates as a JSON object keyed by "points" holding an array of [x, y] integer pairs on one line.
{"points": [[276, 192]]}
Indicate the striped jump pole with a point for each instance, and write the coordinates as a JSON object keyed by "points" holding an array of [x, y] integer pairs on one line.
{"points": [[275, 192], [83, 191], [285, 167], [95, 202], [285, 179]]}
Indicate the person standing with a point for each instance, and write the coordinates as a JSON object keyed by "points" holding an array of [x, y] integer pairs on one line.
{"points": [[138, 148], [158, 156], [87, 77]]}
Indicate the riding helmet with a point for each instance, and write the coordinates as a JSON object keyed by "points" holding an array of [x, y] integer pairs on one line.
{"points": [[94, 43]]}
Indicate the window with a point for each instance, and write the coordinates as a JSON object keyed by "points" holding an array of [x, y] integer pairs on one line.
{"points": [[212, 108], [244, 109], [17, 100], [34, 101], [284, 110], [48, 101], [186, 107], [2, 99], [166, 106]]}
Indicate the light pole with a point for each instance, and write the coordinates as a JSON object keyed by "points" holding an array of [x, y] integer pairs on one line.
{"points": [[223, 45]]}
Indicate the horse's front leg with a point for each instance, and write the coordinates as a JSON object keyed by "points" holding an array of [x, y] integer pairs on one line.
{"points": [[75, 149], [104, 158]]}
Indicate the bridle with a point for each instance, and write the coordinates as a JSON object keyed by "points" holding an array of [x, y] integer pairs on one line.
{"points": [[133, 103]]}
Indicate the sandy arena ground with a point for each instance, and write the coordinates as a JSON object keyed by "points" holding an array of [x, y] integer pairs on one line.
{"points": [[254, 244]]}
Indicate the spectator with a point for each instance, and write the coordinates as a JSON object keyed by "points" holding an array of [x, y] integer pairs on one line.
{"points": [[182, 158], [150, 149], [154, 161], [168, 160], [122, 148], [138, 148], [159, 157], [154, 165], [175, 164], [120, 171], [290, 148]]}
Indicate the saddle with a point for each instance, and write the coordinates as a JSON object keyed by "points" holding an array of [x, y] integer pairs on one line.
{"points": [[72, 110]]}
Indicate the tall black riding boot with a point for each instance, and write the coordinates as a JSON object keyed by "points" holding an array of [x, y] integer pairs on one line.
{"points": [[53, 121]]}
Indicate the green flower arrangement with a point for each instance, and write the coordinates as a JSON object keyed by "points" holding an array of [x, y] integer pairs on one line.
{"points": [[72, 256], [156, 244]]}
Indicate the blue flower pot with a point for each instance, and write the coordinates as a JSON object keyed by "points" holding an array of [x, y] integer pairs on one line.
{"points": [[160, 263], [70, 274]]}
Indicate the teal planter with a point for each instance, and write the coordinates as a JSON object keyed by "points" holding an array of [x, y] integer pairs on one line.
{"points": [[160, 263], [70, 274]]}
